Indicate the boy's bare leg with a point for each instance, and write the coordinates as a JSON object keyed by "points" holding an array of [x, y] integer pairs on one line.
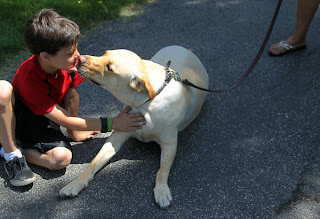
{"points": [[71, 104], [55, 159], [16, 167], [7, 118]]}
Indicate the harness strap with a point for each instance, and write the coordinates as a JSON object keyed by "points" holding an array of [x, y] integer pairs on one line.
{"points": [[169, 75]]}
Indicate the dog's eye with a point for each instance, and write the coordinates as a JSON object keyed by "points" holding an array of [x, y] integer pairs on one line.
{"points": [[109, 67]]}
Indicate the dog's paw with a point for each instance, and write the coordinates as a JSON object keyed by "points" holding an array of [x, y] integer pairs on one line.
{"points": [[162, 196], [72, 189]]}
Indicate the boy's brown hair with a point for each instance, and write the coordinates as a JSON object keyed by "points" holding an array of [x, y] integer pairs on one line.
{"points": [[47, 31]]}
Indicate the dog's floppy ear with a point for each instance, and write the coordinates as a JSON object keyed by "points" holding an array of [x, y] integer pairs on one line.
{"points": [[142, 85]]}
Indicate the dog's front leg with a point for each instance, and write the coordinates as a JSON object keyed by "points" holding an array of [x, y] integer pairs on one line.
{"points": [[109, 149], [161, 191]]}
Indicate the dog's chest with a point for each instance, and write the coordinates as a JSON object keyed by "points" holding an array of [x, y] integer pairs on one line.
{"points": [[151, 131], [145, 136], [159, 121]]}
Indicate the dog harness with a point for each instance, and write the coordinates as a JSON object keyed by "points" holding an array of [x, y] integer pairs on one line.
{"points": [[169, 75]]}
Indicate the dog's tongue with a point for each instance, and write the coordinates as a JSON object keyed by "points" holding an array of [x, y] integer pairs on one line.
{"points": [[74, 68]]}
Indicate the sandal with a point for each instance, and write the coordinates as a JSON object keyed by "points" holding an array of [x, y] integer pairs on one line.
{"points": [[288, 48]]}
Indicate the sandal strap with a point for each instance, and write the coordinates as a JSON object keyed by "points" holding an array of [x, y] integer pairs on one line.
{"points": [[286, 46]]}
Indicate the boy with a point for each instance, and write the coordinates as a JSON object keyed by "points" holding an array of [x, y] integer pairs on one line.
{"points": [[43, 96]]}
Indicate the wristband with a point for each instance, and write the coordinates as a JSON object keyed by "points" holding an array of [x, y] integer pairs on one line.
{"points": [[109, 124], [106, 124]]}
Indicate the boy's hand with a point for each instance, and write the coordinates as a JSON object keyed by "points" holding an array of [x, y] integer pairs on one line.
{"points": [[126, 121], [81, 135]]}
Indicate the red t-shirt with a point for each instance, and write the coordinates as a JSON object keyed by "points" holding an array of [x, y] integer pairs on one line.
{"points": [[39, 91]]}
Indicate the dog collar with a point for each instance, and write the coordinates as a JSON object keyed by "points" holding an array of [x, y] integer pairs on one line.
{"points": [[169, 75]]}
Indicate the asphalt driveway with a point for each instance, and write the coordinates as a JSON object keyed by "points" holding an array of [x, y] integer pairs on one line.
{"points": [[252, 152]]}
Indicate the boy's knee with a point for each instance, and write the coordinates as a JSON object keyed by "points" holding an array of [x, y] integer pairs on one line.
{"points": [[6, 92], [61, 158]]}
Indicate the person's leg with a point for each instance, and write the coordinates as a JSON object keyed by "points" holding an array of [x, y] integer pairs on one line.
{"points": [[42, 141], [54, 159], [7, 118], [305, 13], [71, 104], [16, 167]]}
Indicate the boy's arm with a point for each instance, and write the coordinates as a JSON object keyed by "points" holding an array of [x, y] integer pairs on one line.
{"points": [[63, 118], [123, 122], [71, 104]]}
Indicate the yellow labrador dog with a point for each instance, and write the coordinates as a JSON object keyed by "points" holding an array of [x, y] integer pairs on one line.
{"points": [[168, 107]]}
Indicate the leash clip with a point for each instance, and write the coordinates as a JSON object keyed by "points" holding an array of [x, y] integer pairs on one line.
{"points": [[176, 76], [171, 74]]}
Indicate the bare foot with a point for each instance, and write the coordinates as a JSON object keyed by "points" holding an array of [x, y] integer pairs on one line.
{"points": [[82, 135], [276, 49]]}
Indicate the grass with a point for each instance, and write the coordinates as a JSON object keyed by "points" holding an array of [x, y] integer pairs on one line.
{"points": [[15, 13]]}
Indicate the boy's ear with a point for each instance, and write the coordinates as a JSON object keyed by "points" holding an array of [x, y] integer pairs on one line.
{"points": [[45, 56], [142, 85]]}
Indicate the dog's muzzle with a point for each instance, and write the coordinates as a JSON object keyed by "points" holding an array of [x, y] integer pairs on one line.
{"points": [[83, 73]]}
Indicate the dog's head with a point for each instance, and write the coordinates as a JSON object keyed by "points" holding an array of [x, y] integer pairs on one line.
{"points": [[117, 71]]}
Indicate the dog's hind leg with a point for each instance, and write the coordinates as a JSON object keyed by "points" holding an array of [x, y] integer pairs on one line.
{"points": [[161, 191], [109, 149]]}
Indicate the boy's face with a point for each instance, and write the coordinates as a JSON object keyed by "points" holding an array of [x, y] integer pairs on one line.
{"points": [[64, 59]]}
